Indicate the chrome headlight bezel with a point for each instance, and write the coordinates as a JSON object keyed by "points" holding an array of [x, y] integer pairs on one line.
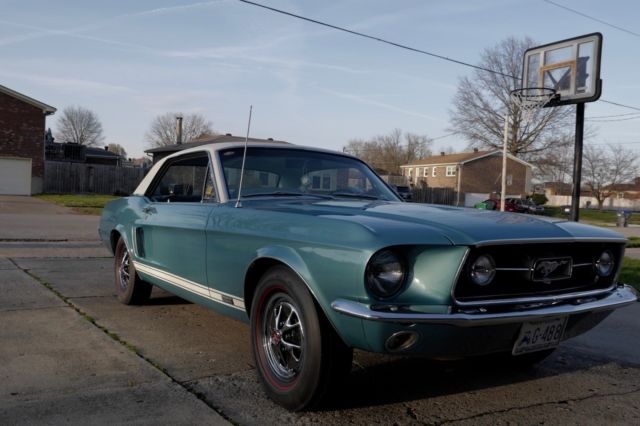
{"points": [[385, 274], [605, 264], [482, 270]]}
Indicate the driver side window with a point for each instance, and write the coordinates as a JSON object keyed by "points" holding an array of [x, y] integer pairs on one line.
{"points": [[185, 180]]}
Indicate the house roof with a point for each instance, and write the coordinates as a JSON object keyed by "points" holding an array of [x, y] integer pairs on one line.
{"points": [[47, 109], [563, 188], [624, 187], [207, 140], [100, 153], [449, 158], [460, 158]]}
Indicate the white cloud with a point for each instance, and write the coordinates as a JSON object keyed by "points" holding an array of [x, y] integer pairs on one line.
{"points": [[40, 32], [170, 9], [372, 102], [185, 101], [70, 84]]}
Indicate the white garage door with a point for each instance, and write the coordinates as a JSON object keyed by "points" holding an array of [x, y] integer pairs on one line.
{"points": [[15, 176]]}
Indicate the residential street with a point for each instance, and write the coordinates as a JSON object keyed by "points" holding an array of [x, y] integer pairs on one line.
{"points": [[71, 353]]}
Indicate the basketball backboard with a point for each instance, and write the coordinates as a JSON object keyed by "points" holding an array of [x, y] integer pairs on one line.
{"points": [[571, 67]]}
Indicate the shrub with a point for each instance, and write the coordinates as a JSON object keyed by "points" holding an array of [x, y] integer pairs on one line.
{"points": [[539, 199]]}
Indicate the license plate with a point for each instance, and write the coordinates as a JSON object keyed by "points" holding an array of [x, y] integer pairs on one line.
{"points": [[539, 335]]}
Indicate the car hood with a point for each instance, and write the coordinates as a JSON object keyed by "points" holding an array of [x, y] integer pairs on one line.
{"points": [[412, 222]]}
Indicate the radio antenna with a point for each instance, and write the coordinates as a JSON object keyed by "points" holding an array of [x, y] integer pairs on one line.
{"points": [[244, 157]]}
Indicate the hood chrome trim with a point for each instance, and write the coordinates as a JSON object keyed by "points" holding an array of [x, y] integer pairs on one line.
{"points": [[550, 240]]}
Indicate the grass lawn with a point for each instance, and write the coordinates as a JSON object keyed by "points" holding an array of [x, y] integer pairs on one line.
{"points": [[592, 215], [630, 273], [84, 204], [633, 242]]}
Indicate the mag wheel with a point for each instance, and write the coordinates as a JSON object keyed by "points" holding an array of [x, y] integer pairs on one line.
{"points": [[130, 289], [297, 353], [282, 338]]}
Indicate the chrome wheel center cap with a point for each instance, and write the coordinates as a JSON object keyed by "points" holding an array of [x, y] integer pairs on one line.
{"points": [[276, 337]]}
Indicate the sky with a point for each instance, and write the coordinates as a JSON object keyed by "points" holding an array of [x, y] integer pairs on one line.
{"points": [[129, 61]]}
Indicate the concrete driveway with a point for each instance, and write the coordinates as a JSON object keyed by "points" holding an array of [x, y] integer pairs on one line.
{"points": [[71, 353], [56, 364], [33, 227]]}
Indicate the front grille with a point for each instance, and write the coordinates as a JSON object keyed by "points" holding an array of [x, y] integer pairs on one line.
{"points": [[520, 270]]}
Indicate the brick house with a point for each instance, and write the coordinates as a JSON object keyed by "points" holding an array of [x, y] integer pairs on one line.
{"points": [[22, 129], [475, 174]]}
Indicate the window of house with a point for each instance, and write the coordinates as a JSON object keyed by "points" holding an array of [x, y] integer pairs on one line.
{"points": [[433, 172], [426, 172], [409, 172], [323, 180], [417, 171], [326, 182], [509, 179], [451, 171], [620, 195]]}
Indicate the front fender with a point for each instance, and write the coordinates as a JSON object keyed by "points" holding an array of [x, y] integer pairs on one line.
{"points": [[289, 257], [348, 328]]}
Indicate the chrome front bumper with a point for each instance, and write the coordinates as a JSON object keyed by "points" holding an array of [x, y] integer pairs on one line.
{"points": [[621, 296]]}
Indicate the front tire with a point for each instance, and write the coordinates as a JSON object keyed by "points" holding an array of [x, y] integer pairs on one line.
{"points": [[130, 289], [297, 353]]}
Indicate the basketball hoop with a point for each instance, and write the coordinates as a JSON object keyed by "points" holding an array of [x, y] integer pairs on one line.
{"points": [[530, 99]]}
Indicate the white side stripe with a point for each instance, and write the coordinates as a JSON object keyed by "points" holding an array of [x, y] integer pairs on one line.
{"points": [[193, 287]]}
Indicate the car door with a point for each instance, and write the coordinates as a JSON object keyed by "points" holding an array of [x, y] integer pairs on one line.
{"points": [[170, 237]]}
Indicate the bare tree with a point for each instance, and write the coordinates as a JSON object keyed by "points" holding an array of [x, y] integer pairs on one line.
{"points": [[388, 152], [79, 125], [604, 168], [555, 165], [163, 128], [481, 101], [118, 149]]}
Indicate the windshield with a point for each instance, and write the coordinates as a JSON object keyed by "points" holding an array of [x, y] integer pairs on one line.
{"points": [[296, 172]]}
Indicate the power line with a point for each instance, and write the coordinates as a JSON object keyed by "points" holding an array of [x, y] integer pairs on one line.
{"points": [[613, 143], [612, 119], [381, 40], [403, 46], [592, 18], [619, 104], [444, 136], [614, 115]]}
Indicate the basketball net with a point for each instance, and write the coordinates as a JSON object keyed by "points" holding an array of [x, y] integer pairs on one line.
{"points": [[531, 99]]}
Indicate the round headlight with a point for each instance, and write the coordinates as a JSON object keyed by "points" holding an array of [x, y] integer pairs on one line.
{"points": [[483, 269], [385, 274], [604, 264]]}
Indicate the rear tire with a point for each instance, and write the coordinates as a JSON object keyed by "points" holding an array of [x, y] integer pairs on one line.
{"points": [[297, 353], [130, 289]]}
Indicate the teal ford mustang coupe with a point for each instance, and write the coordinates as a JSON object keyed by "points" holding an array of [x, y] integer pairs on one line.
{"points": [[321, 256]]}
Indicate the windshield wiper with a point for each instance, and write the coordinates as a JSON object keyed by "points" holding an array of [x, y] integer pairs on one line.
{"points": [[285, 194], [354, 195]]}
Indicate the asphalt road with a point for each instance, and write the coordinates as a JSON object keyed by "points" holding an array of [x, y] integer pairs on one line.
{"points": [[71, 353]]}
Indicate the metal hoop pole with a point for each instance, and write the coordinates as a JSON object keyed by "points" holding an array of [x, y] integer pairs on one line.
{"points": [[503, 191], [577, 163]]}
